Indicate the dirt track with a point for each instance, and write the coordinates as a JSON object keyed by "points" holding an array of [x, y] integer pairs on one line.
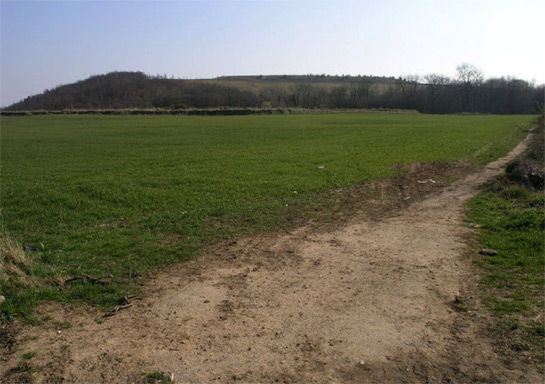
{"points": [[372, 301]]}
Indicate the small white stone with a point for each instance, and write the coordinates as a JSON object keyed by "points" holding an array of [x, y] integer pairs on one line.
{"points": [[168, 375]]}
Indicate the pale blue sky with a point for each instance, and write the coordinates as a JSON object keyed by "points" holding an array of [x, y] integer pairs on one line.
{"points": [[48, 43]]}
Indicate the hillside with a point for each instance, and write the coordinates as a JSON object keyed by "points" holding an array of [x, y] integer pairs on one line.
{"points": [[136, 90]]}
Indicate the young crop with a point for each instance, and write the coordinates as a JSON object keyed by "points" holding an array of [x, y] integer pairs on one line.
{"points": [[112, 197]]}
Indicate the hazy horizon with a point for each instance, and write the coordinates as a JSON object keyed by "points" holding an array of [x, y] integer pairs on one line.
{"points": [[49, 43]]}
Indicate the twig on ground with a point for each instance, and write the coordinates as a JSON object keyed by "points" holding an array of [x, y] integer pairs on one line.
{"points": [[117, 309]]}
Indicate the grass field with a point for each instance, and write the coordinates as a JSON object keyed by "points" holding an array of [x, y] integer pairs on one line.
{"points": [[115, 196]]}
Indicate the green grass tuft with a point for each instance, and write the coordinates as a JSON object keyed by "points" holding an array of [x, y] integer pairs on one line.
{"points": [[29, 355], [157, 378]]}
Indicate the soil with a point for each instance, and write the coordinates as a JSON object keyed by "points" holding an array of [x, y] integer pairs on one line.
{"points": [[384, 297]]}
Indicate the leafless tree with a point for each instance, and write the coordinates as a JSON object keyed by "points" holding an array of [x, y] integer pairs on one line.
{"points": [[359, 93], [409, 89], [469, 78], [436, 84]]}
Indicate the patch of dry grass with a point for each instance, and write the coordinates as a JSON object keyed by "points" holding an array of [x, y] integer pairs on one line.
{"points": [[14, 265]]}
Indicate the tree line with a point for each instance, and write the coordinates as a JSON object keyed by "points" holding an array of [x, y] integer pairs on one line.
{"points": [[468, 91]]}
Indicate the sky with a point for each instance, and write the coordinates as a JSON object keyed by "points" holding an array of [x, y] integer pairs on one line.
{"points": [[44, 44]]}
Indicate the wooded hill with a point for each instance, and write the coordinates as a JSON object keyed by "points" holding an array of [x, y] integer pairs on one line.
{"points": [[429, 94]]}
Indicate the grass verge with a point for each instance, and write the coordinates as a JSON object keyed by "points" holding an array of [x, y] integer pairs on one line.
{"points": [[511, 216]]}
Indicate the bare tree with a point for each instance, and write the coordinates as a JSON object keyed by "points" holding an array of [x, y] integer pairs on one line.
{"points": [[409, 89], [469, 78], [436, 84], [359, 93], [339, 97], [306, 96]]}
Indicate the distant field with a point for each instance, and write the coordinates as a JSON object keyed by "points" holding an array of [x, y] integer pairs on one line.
{"points": [[257, 86], [116, 195], [259, 83]]}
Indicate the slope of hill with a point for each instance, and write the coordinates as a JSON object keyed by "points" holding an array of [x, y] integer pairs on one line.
{"points": [[118, 90], [136, 90]]}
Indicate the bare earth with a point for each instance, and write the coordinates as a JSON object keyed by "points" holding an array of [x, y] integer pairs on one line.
{"points": [[370, 301]]}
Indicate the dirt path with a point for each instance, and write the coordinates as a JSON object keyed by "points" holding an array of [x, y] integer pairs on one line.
{"points": [[369, 302]]}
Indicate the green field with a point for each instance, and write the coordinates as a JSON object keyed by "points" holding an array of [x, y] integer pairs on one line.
{"points": [[113, 196]]}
